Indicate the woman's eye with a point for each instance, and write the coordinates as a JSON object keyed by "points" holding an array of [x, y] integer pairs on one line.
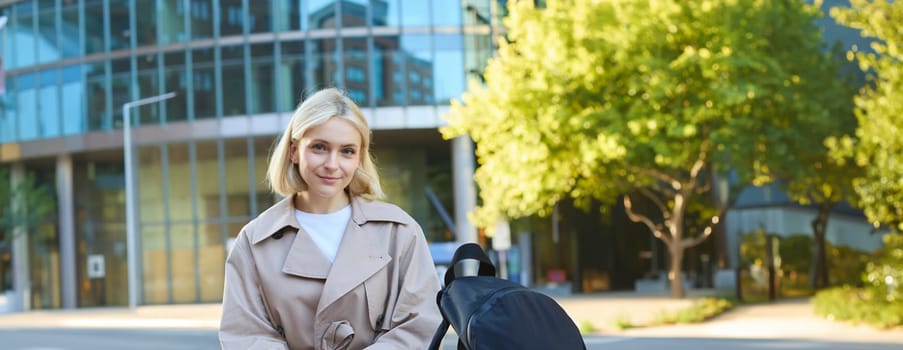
{"points": [[318, 147], [348, 151]]}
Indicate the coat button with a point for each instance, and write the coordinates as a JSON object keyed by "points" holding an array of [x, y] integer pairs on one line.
{"points": [[379, 320], [281, 331], [277, 235]]}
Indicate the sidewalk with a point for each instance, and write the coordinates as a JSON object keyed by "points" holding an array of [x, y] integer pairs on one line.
{"points": [[786, 319]]}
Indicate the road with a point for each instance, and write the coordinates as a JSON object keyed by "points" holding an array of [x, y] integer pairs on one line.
{"points": [[85, 339]]}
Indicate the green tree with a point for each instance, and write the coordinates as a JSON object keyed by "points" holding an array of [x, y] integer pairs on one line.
{"points": [[601, 100], [814, 175], [876, 144], [23, 206]]}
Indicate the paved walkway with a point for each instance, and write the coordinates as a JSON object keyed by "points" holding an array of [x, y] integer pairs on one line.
{"points": [[786, 319]]}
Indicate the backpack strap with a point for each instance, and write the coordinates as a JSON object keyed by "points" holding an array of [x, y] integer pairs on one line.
{"points": [[440, 333]]}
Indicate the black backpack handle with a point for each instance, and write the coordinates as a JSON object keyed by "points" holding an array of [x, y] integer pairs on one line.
{"points": [[467, 258]]}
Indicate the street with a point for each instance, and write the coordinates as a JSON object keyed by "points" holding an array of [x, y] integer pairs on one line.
{"points": [[85, 339]]}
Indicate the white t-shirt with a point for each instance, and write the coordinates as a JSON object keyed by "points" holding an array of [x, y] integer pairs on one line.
{"points": [[325, 229]]}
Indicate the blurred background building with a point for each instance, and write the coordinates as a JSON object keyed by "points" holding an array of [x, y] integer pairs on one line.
{"points": [[239, 68]]}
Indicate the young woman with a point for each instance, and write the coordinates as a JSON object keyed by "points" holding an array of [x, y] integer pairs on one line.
{"points": [[328, 267]]}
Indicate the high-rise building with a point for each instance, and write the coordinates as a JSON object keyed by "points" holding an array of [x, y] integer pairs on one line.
{"points": [[238, 69]]}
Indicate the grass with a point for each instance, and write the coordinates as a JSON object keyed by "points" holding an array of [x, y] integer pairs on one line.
{"points": [[702, 309], [587, 327], [622, 322]]}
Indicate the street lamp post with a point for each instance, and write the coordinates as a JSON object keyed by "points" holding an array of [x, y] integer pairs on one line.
{"points": [[130, 228]]}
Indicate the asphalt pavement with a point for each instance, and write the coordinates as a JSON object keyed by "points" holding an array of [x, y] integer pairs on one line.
{"points": [[785, 319]]}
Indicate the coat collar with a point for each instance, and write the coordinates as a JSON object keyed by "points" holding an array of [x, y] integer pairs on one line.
{"points": [[361, 252], [281, 216]]}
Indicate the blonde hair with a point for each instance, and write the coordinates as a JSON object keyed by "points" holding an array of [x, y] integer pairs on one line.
{"points": [[325, 104]]}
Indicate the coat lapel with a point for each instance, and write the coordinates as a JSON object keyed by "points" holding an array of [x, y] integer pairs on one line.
{"points": [[356, 261], [305, 259]]}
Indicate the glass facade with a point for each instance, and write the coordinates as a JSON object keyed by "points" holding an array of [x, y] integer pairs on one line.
{"points": [[70, 66]]}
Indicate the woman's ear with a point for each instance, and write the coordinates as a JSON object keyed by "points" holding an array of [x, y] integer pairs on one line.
{"points": [[293, 152]]}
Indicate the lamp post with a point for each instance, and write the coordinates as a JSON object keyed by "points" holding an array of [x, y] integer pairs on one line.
{"points": [[131, 238]]}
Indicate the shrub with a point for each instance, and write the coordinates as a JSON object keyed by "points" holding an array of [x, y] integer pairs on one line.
{"points": [[884, 275], [858, 306]]}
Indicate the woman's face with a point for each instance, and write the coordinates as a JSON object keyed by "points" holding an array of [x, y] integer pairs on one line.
{"points": [[328, 156]]}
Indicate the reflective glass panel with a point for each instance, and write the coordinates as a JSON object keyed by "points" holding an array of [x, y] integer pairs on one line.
{"points": [[27, 106], [146, 22], [150, 184], [94, 35], [122, 90], [23, 38], [172, 21], [415, 13], [96, 94], [388, 71], [183, 239], [208, 182], [287, 16], [354, 13], [231, 17], [264, 197], [43, 246], [73, 96], [49, 48], [386, 13], [177, 81], [155, 264], [148, 85], [262, 84], [49, 104], [418, 68], [120, 31], [204, 83], [448, 79], [446, 13], [321, 14], [356, 70], [291, 75], [211, 255], [233, 80], [237, 187], [325, 63], [70, 34], [260, 16], [201, 19], [8, 122], [100, 229], [179, 184]]}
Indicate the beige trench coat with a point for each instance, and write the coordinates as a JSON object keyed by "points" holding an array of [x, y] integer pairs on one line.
{"points": [[281, 292]]}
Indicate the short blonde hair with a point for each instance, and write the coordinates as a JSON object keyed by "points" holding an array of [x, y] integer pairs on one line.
{"points": [[283, 175]]}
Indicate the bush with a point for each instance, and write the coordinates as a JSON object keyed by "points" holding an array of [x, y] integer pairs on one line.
{"points": [[846, 265], [884, 275], [858, 306]]}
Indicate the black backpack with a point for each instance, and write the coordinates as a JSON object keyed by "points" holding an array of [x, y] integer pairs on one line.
{"points": [[497, 314]]}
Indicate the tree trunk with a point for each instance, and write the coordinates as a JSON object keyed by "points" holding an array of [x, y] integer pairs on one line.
{"points": [[819, 279], [674, 276]]}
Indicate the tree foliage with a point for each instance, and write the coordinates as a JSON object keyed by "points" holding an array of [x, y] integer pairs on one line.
{"points": [[23, 205], [877, 145], [642, 98]]}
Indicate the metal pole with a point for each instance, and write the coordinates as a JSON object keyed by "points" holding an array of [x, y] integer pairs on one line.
{"points": [[130, 228]]}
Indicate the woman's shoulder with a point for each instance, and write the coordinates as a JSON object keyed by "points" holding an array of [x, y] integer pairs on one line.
{"points": [[377, 210]]}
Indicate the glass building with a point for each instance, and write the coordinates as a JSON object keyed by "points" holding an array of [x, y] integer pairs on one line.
{"points": [[238, 68]]}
